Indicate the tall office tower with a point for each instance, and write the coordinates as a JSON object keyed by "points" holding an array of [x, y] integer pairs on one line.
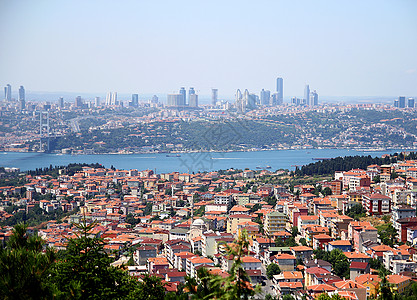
{"points": [[401, 102], [314, 98], [193, 100], [135, 100], [396, 103], [307, 93], [280, 90], [411, 102], [22, 93], [154, 99], [108, 99], [240, 106], [175, 100], [97, 101], [214, 96], [22, 99], [265, 96], [8, 93], [61, 102], [113, 100], [191, 91], [274, 100], [183, 92], [78, 102]]}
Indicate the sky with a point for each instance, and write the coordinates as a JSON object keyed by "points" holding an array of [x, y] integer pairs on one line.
{"points": [[339, 48]]}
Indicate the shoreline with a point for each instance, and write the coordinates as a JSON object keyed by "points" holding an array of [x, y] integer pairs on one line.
{"points": [[220, 151]]}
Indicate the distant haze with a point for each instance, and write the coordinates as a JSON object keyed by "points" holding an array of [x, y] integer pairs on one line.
{"points": [[341, 48]]}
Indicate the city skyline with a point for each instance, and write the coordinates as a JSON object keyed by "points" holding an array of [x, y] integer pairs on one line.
{"points": [[353, 50]]}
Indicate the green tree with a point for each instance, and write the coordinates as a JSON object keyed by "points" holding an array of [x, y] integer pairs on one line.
{"points": [[24, 268], [86, 273], [271, 270], [388, 234]]}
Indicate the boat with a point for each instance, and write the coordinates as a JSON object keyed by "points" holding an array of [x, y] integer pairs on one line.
{"points": [[173, 155]]}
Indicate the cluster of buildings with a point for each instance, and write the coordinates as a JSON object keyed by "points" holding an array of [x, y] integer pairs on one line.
{"points": [[401, 103], [177, 223]]}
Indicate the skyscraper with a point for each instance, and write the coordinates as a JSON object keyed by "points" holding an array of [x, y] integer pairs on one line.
{"points": [[61, 102], [401, 102], [193, 100], [8, 93], [108, 99], [97, 102], [183, 92], [280, 90], [22, 93], [78, 102], [191, 91], [265, 95], [135, 100], [307, 94], [174, 100], [154, 99], [314, 98], [214, 97], [22, 98], [411, 102], [113, 100]]}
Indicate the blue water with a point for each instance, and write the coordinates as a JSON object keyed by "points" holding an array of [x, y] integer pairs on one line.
{"points": [[188, 162]]}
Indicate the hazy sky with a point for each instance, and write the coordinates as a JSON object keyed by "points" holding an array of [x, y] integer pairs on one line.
{"points": [[351, 48]]}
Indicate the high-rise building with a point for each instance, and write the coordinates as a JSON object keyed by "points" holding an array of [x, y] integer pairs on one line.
{"points": [[411, 102], [265, 96], [97, 101], [8, 93], [135, 100], [401, 102], [214, 97], [191, 91], [183, 92], [61, 102], [193, 100], [22, 98], [78, 102], [108, 99], [174, 100], [113, 100], [314, 98], [154, 99], [307, 94], [22, 93], [280, 90]]}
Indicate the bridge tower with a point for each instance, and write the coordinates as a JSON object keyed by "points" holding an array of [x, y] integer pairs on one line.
{"points": [[44, 131]]}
